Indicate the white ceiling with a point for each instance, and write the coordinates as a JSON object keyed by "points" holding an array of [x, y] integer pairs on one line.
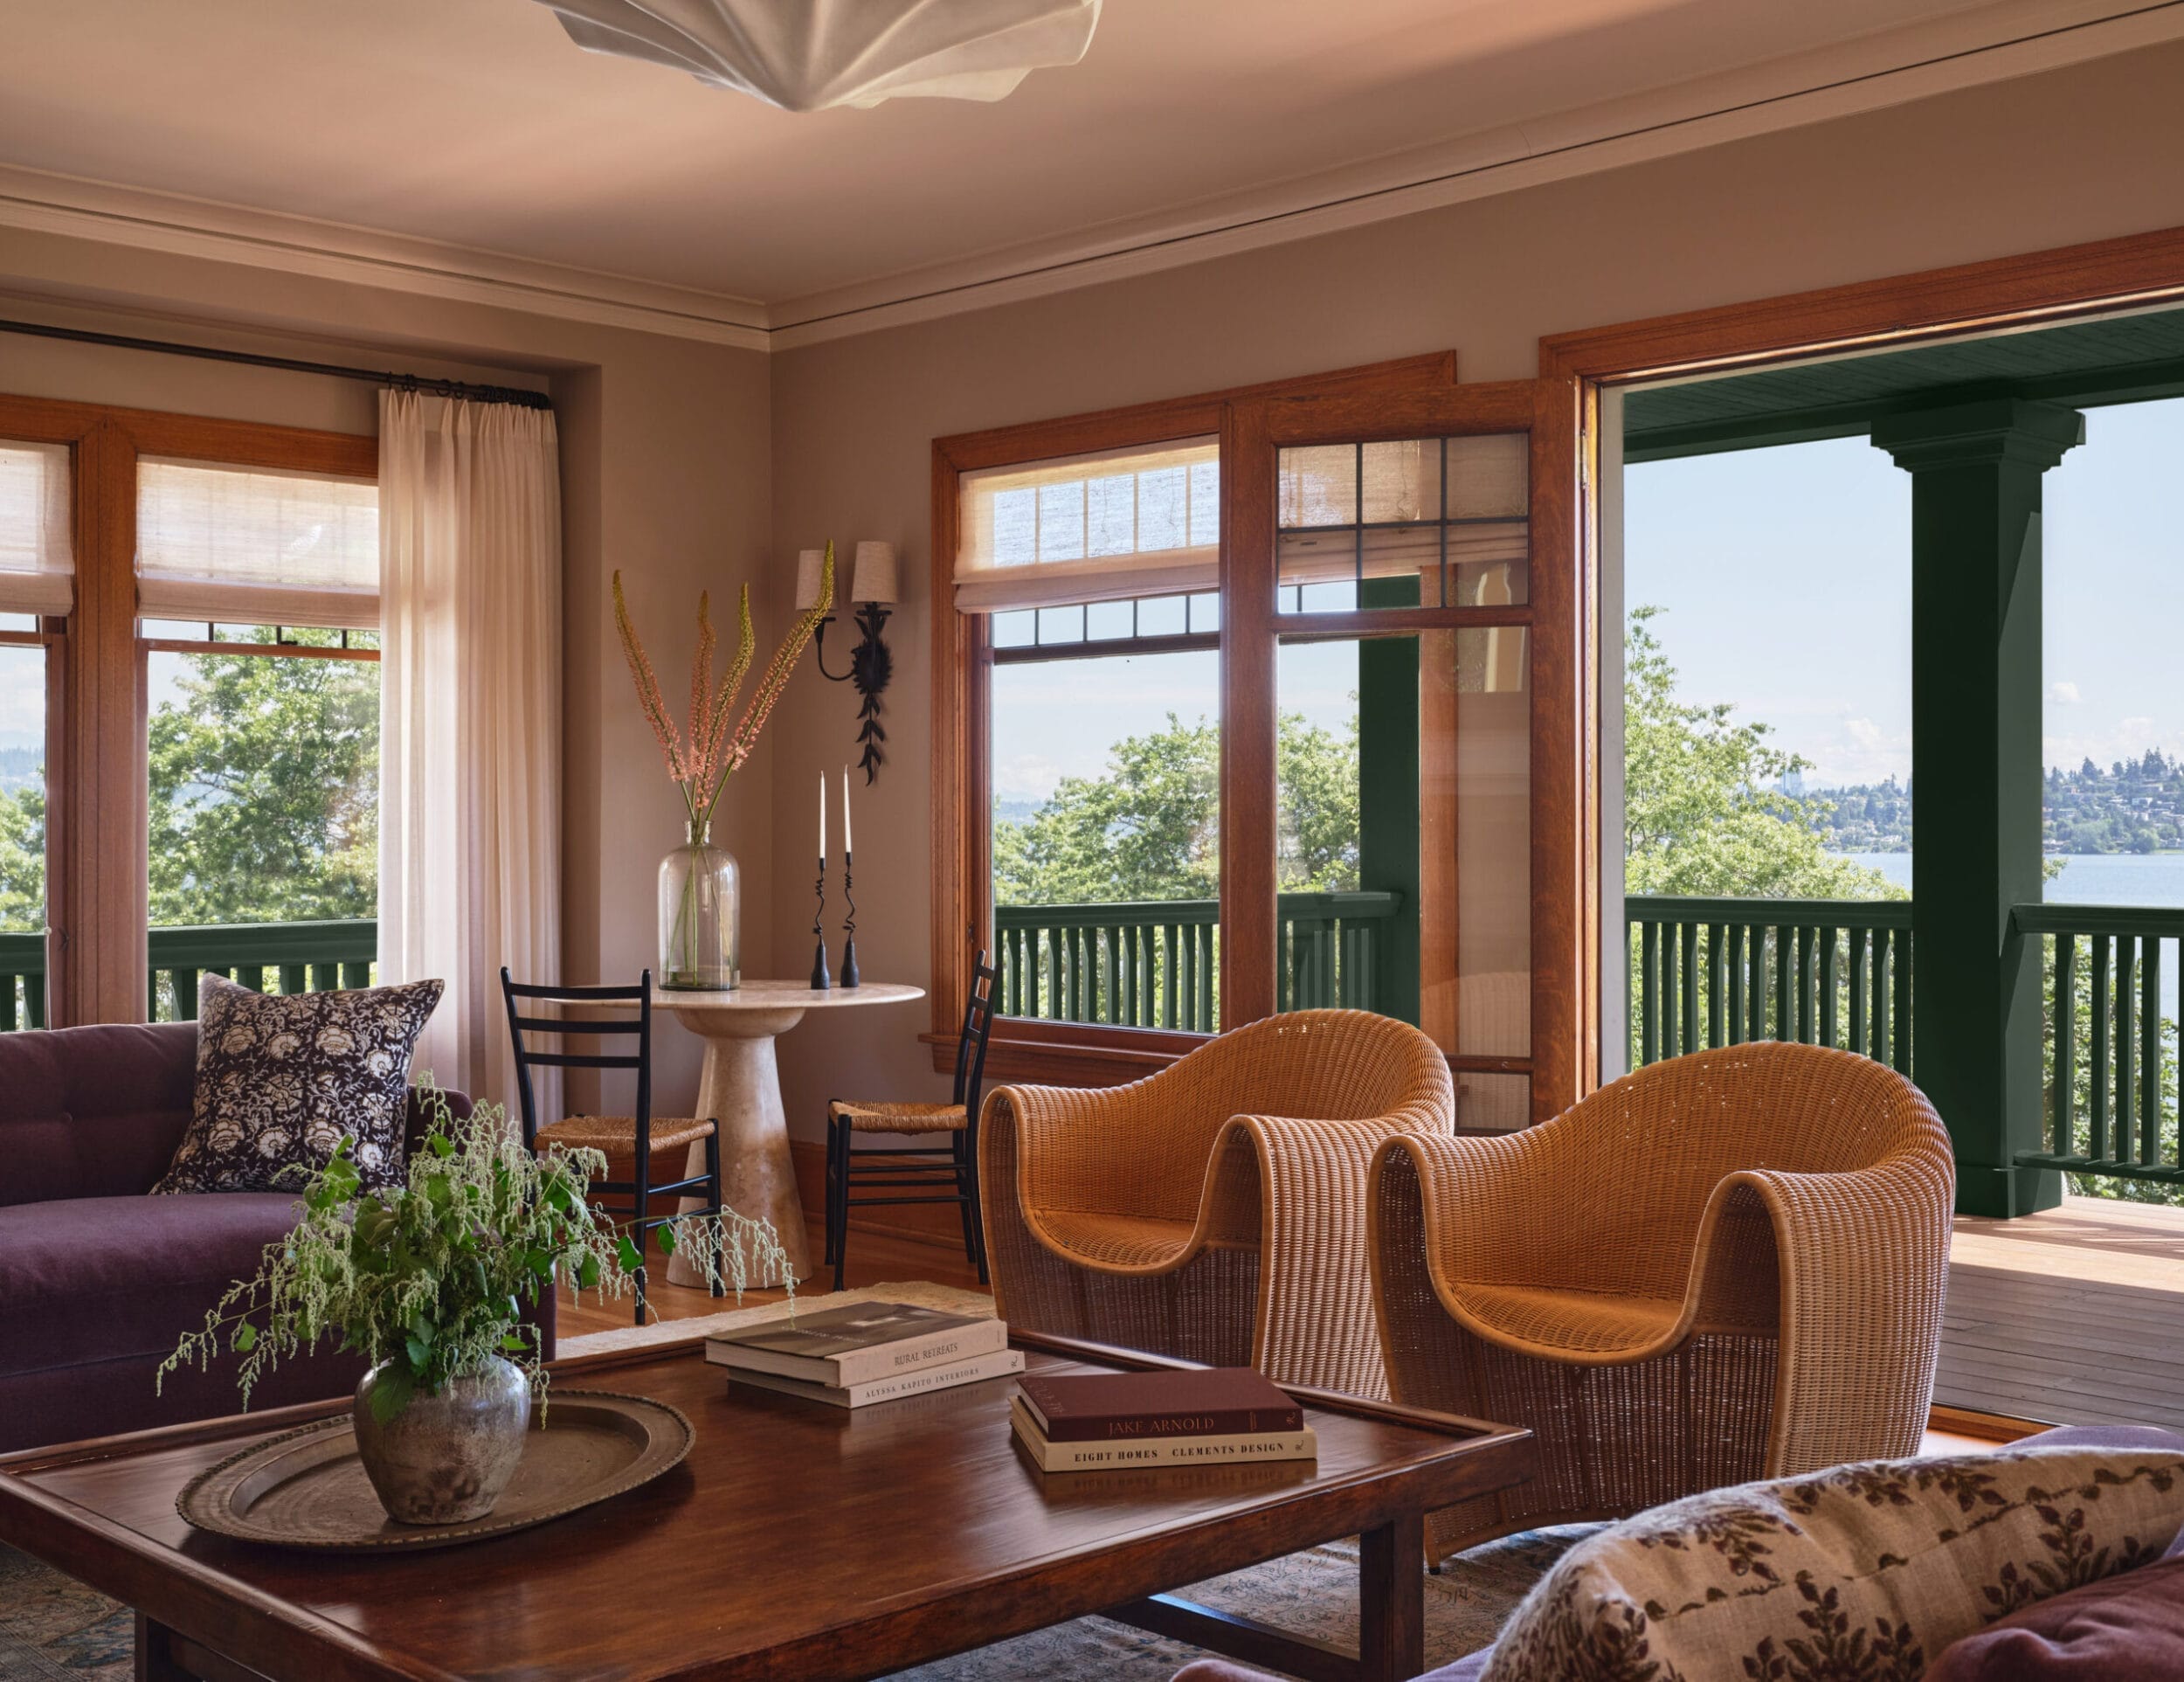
{"points": [[477, 124]]}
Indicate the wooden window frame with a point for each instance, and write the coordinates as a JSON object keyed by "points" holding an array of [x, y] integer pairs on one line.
{"points": [[1075, 1052], [2039, 288], [1259, 431], [97, 872], [2035, 289]]}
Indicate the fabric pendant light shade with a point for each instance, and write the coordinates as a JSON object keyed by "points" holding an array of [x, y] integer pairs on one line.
{"points": [[808, 55]]}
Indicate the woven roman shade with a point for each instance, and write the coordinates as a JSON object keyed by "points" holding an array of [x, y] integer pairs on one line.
{"points": [[36, 565], [249, 546], [1123, 523], [1404, 508]]}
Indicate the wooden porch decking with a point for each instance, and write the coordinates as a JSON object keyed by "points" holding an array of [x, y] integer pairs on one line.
{"points": [[2074, 1316]]}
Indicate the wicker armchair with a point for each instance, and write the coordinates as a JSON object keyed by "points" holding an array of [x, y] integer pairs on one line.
{"points": [[1213, 1211], [1725, 1267]]}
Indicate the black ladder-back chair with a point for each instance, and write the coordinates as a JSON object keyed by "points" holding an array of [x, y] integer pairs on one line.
{"points": [[636, 1133], [923, 1169]]}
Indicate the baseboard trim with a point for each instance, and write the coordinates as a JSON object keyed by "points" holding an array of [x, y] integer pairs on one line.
{"points": [[1982, 1427]]}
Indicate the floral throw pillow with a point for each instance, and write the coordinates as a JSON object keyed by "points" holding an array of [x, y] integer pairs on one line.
{"points": [[1863, 1572], [282, 1080]]}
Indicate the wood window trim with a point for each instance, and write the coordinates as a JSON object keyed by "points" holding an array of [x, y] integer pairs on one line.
{"points": [[2037, 288], [1072, 1053], [97, 882], [255, 650], [1258, 431]]}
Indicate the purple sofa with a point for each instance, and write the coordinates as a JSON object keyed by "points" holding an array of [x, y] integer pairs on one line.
{"points": [[98, 1281]]}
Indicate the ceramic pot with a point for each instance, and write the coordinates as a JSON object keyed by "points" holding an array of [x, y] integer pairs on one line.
{"points": [[444, 1459], [701, 916]]}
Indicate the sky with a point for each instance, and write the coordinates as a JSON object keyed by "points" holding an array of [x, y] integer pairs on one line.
{"points": [[23, 692], [1786, 578], [1057, 718]]}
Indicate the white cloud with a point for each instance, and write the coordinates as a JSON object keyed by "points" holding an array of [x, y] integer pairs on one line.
{"points": [[2064, 693], [1855, 752], [2137, 725], [1026, 777]]}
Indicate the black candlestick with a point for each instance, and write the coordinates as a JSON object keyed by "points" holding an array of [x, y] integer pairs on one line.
{"points": [[849, 926], [820, 979]]}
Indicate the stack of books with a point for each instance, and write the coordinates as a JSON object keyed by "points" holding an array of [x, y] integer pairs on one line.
{"points": [[1219, 1415], [872, 1352]]}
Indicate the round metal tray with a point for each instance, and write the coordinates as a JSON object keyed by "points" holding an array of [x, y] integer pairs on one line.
{"points": [[307, 1488]]}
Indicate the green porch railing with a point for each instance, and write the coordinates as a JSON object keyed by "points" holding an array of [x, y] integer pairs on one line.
{"points": [[1705, 972], [22, 981], [2110, 1056], [1157, 963], [267, 957]]}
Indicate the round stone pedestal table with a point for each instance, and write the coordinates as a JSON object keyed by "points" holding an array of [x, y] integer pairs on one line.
{"points": [[740, 1089]]}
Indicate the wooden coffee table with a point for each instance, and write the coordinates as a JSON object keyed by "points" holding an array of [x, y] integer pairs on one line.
{"points": [[796, 1541]]}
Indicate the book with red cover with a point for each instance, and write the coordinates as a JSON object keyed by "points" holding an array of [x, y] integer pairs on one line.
{"points": [[1108, 1406]]}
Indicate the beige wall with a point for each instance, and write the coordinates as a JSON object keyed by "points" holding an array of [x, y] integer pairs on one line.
{"points": [[2074, 154], [694, 465], [666, 474]]}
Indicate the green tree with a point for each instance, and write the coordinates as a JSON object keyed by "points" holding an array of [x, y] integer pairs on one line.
{"points": [[263, 797], [1703, 810], [1148, 826], [22, 857], [265, 791], [1316, 774]]}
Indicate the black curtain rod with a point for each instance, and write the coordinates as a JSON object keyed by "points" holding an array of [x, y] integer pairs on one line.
{"points": [[446, 388]]}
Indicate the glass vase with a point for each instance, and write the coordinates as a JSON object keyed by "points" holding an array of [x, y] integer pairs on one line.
{"points": [[701, 916]]}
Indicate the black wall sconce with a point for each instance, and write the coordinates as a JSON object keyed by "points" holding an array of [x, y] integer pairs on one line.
{"points": [[872, 588]]}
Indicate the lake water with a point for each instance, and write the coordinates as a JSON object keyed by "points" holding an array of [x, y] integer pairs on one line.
{"points": [[2091, 879], [2087, 878]]}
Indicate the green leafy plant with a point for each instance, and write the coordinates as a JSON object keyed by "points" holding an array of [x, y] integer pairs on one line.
{"points": [[432, 1278]]}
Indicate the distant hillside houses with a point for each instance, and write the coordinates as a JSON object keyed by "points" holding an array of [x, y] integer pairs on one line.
{"points": [[2135, 805]]}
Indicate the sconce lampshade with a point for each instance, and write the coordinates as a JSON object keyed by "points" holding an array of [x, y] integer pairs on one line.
{"points": [[809, 563], [874, 579], [806, 55]]}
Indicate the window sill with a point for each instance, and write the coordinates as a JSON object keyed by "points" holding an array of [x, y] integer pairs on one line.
{"points": [[1086, 1054], [1068, 1054]]}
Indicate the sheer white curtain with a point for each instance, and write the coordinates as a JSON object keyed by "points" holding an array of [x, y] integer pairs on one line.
{"points": [[470, 717]]}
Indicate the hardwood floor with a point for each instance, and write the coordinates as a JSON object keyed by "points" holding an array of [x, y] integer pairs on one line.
{"points": [[2075, 1315], [874, 1257]]}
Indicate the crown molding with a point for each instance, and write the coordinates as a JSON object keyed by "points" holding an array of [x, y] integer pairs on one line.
{"points": [[1995, 42], [36, 202]]}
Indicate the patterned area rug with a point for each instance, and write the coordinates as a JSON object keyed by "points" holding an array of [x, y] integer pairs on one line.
{"points": [[54, 1629]]}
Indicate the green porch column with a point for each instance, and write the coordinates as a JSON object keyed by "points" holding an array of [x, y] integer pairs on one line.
{"points": [[1976, 470], [1388, 795]]}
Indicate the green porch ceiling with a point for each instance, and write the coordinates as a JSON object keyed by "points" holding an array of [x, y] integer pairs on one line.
{"points": [[2117, 359]]}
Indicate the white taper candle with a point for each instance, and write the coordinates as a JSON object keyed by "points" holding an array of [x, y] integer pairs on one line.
{"points": [[822, 815], [848, 846]]}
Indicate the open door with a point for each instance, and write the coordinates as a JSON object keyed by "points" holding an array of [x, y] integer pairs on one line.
{"points": [[1388, 539]]}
